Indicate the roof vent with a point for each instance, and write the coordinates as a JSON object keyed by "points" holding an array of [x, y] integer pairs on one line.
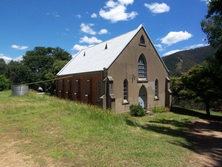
{"points": [[106, 47]]}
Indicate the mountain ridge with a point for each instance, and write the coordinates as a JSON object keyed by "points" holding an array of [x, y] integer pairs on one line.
{"points": [[180, 62]]}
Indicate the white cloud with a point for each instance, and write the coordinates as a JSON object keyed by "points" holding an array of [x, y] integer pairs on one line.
{"points": [[185, 48], [174, 37], [195, 46], [79, 47], [126, 2], [78, 16], [19, 47], [20, 58], [116, 11], [8, 59], [160, 47], [110, 4], [91, 40], [86, 28], [103, 31], [207, 1], [157, 7], [94, 15], [171, 52], [5, 58], [55, 14]]}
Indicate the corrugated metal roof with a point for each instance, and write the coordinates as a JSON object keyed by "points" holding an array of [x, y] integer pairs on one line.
{"points": [[99, 56]]}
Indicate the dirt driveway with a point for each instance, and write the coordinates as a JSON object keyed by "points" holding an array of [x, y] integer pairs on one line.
{"points": [[205, 135]]}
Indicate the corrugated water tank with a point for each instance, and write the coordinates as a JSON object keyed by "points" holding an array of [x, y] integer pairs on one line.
{"points": [[19, 90]]}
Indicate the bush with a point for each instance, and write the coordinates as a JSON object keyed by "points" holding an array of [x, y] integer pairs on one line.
{"points": [[137, 110], [4, 83], [160, 109]]}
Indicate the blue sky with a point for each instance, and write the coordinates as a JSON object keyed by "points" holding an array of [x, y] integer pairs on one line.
{"points": [[172, 25]]}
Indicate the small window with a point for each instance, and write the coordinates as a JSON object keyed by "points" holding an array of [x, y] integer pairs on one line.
{"points": [[61, 85], [67, 85], [156, 90], [142, 40], [84, 86], [98, 91], [125, 92], [142, 67], [106, 47], [75, 87]]}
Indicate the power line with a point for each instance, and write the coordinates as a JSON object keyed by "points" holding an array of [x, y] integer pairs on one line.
{"points": [[45, 81]]}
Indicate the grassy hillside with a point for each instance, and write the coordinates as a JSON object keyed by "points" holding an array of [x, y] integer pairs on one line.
{"points": [[73, 134], [184, 60]]}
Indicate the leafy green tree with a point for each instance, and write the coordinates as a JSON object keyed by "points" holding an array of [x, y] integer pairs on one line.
{"points": [[18, 73], [43, 64], [58, 65], [176, 87], [212, 26], [201, 83], [4, 83], [3, 67]]}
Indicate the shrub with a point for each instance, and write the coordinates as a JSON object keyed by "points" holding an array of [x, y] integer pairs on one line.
{"points": [[137, 110], [160, 109], [4, 83]]}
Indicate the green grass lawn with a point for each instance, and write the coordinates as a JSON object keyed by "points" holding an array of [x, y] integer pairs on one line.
{"points": [[74, 134]]}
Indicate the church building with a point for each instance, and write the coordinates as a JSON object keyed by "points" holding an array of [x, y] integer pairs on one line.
{"points": [[116, 73]]}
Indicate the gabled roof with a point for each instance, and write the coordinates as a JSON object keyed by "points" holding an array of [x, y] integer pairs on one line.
{"points": [[100, 56]]}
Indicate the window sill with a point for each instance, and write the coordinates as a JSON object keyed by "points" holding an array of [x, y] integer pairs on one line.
{"points": [[112, 96], [170, 92], [125, 102], [142, 80], [140, 44], [156, 98]]}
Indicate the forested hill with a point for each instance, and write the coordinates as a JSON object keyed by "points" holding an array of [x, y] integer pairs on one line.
{"points": [[184, 60]]}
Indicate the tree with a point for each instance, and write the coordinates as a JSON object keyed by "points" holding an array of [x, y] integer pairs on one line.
{"points": [[4, 83], [18, 73], [41, 62], [58, 65], [176, 87], [202, 83], [212, 26], [3, 67]]}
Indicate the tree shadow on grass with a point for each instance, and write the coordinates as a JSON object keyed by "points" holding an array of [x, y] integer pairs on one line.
{"points": [[157, 126], [203, 136], [183, 111]]}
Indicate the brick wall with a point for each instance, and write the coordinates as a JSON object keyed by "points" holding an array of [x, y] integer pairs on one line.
{"points": [[87, 87]]}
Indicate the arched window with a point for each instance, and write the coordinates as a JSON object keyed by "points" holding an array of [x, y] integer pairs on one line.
{"points": [[125, 90], [142, 40], [142, 67], [156, 89]]}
